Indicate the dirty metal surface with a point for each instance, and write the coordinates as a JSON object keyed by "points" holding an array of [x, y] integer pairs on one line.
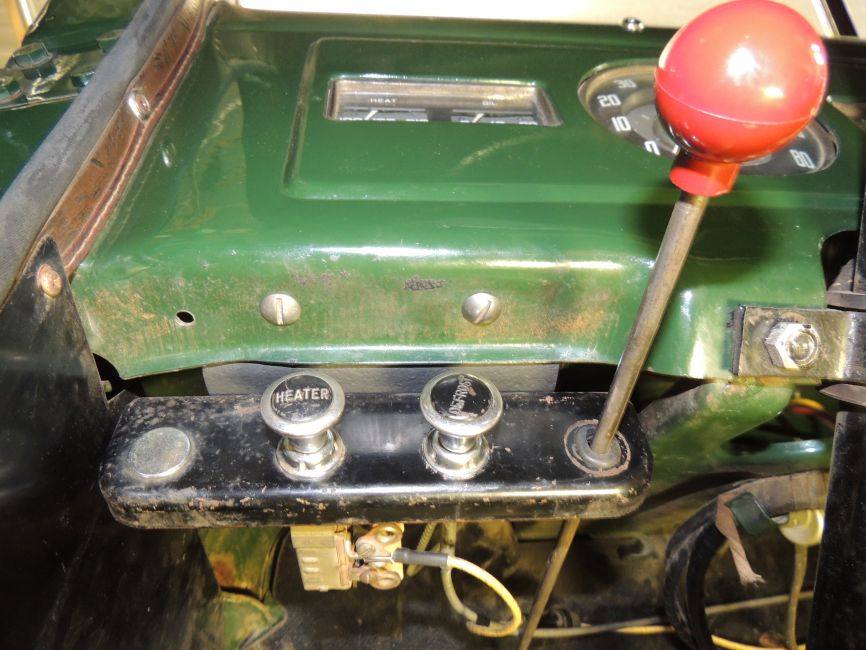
{"points": [[840, 354], [84, 208], [687, 431], [241, 557], [381, 230], [72, 577], [234, 479]]}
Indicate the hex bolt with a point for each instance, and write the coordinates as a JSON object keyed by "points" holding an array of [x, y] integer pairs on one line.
{"points": [[34, 60], [280, 309], [31, 55], [792, 346], [482, 308], [49, 281]]}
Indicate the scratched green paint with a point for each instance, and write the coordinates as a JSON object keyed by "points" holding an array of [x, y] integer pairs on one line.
{"points": [[380, 230]]}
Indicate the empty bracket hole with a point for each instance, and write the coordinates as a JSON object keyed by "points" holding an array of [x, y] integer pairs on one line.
{"points": [[184, 318]]}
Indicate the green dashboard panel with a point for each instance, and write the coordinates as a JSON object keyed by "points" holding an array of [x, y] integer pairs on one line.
{"points": [[380, 230]]}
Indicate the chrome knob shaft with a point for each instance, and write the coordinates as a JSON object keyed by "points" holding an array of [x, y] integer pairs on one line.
{"points": [[303, 408], [461, 408]]}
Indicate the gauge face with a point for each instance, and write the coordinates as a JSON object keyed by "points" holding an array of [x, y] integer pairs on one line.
{"points": [[622, 99]]}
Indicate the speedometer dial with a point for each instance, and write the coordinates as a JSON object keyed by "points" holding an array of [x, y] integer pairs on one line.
{"points": [[622, 99]]}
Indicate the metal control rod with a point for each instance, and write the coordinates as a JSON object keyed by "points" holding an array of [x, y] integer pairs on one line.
{"points": [[684, 222], [548, 581]]}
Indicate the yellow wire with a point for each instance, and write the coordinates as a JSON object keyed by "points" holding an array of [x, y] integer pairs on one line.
{"points": [[801, 559], [454, 600], [719, 641], [496, 629], [426, 536], [808, 403], [646, 629]]}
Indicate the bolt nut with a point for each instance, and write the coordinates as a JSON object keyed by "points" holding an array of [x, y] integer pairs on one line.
{"points": [[49, 281], [31, 55], [81, 75], [792, 346], [34, 60]]}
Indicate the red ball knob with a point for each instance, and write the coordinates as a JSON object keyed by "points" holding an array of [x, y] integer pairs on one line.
{"points": [[737, 83]]}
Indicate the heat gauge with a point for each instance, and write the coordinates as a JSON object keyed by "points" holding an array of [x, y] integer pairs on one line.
{"points": [[622, 99], [393, 99]]}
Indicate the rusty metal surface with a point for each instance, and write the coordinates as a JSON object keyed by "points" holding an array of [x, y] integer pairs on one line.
{"points": [[39, 186], [242, 557], [839, 356], [86, 205]]}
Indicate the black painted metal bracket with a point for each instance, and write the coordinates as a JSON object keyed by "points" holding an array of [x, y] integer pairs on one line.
{"points": [[72, 577], [233, 479], [839, 606]]}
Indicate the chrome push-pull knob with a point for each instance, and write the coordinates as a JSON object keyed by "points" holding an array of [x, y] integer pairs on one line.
{"points": [[304, 408], [461, 408]]}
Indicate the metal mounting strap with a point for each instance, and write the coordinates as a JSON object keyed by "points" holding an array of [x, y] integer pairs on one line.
{"points": [[799, 343]]}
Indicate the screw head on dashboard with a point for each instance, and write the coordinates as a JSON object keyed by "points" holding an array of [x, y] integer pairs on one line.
{"points": [[482, 308], [280, 309]]}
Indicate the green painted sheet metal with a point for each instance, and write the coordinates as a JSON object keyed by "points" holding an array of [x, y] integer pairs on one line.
{"points": [[248, 620], [243, 562], [243, 558], [21, 133], [687, 431], [380, 230], [74, 25], [786, 457]]}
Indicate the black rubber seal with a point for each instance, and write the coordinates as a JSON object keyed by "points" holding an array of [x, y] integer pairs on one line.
{"points": [[696, 542]]}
